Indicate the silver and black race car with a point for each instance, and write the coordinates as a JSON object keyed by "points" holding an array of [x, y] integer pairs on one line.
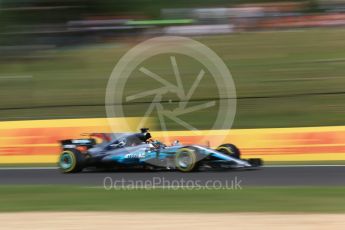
{"points": [[138, 150]]}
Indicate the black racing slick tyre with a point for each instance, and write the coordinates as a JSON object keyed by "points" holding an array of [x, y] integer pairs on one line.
{"points": [[230, 150], [71, 161], [186, 159]]}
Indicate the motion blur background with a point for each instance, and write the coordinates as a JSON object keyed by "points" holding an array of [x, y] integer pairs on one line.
{"points": [[287, 58]]}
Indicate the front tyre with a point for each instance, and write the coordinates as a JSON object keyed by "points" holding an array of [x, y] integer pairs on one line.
{"points": [[230, 150], [71, 161], [186, 159]]}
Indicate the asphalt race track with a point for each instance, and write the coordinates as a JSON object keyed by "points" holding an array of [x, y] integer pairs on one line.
{"points": [[267, 176]]}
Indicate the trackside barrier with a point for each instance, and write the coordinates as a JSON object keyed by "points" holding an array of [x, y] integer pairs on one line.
{"points": [[37, 141]]}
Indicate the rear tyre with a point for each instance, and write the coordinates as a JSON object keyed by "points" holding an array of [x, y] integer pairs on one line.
{"points": [[71, 161], [186, 159], [230, 150]]}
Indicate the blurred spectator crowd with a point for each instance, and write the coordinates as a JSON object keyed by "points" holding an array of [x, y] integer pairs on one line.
{"points": [[40, 24]]}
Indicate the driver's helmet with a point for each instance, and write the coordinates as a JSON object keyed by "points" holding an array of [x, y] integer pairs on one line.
{"points": [[122, 143]]}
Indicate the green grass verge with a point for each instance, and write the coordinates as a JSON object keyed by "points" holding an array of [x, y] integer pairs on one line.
{"points": [[251, 199], [262, 64]]}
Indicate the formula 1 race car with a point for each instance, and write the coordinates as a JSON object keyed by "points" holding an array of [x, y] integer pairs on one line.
{"points": [[138, 150]]}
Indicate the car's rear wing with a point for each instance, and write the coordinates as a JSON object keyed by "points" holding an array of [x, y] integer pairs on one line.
{"points": [[76, 143]]}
